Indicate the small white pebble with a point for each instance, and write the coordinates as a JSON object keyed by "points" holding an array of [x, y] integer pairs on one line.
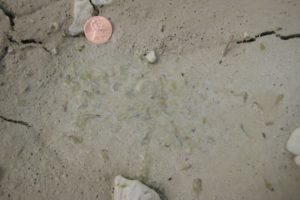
{"points": [[151, 57], [54, 51], [10, 49], [246, 35]]}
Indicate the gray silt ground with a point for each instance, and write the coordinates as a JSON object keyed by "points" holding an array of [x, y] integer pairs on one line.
{"points": [[98, 111]]}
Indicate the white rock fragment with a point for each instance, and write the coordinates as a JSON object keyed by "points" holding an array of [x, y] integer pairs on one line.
{"points": [[151, 57], [293, 144], [246, 35], [54, 51], [297, 160], [83, 10], [125, 189], [101, 2]]}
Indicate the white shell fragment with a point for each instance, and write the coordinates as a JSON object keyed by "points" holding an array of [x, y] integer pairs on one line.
{"points": [[293, 144], [151, 57], [83, 10], [125, 189]]}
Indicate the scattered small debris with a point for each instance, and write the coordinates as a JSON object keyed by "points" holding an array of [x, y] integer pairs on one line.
{"points": [[16, 121], [76, 139], [162, 28], [269, 123], [204, 120], [186, 167], [243, 128], [151, 57], [146, 140], [197, 186], [1, 173], [269, 186], [255, 103], [80, 47], [245, 97], [262, 46], [228, 46], [240, 94], [104, 155], [279, 99], [82, 120], [65, 104], [54, 27]]}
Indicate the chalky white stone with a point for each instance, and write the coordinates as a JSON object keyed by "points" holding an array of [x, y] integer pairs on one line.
{"points": [[83, 10], [125, 189], [293, 144], [151, 57]]}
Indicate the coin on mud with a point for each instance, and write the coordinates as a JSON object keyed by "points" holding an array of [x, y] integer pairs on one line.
{"points": [[98, 30]]}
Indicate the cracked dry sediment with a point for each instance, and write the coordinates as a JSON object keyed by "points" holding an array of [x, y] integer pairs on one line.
{"points": [[267, 33], [13, 34], [8, 13], [16, 121], [249, 39]]}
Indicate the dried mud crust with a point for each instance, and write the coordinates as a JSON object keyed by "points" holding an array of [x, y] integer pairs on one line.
{"points": [[73, 115], [138, 27]]}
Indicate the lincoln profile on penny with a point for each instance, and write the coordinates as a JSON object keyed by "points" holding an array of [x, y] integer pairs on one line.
{"points": [[98, 30]]}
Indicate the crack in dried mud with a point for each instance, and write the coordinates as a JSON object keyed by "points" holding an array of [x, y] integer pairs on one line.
{"points": [[267, 33], [23, 123]]}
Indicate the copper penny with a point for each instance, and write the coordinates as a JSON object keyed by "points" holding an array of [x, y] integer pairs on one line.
{"points": [[97, 30]]}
